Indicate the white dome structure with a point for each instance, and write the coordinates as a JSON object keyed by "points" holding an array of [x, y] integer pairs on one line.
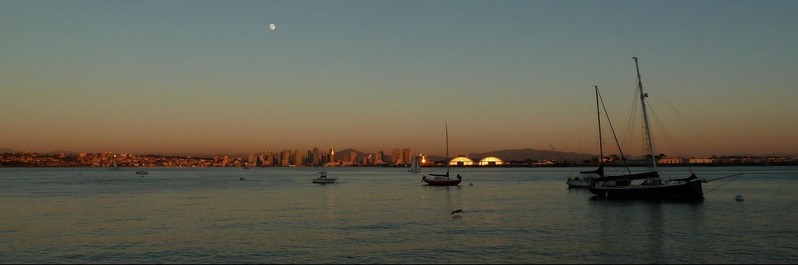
{"points": [[461, 161], [491, 161]]}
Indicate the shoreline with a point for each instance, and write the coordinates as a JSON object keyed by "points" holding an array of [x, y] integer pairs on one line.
{"points": [[439, 166]]}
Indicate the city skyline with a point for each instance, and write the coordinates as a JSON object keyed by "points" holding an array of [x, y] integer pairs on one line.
{"points": [[400, 158], [212, 77]]}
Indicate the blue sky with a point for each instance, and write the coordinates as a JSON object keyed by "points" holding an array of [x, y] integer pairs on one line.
{"points": [[209, 76]]}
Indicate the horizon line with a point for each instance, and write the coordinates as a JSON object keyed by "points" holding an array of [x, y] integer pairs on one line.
{"points": [[61, 151]]}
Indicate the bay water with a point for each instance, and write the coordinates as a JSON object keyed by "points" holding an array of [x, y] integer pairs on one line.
{"points": [[386, 215]]}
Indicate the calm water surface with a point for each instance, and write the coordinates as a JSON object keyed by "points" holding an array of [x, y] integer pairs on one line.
{"points": [[385, 215]]}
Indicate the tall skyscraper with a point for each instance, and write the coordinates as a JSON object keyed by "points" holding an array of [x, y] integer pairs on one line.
{"points": [[251, 159], [261, 159], [269, 159], [396, 156], [407, 155], [332, 155], [316, 157], [298, 158], [285, 158], [380, 159]]}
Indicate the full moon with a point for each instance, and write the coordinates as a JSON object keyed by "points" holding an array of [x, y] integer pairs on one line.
{"points": [[272, 26]]}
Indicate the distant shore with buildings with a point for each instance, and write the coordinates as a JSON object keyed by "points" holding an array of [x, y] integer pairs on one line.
{"points": [[352, 158]]}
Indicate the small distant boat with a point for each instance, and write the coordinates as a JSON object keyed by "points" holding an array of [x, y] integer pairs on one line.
{"points": [[414, 167], [739, 198], [443, 179], [323, 179], [142, 172], [586, 177]]}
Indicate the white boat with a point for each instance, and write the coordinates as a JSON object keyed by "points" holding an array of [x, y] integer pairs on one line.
{"points": [[585, 177], [323, 179], [414, 167]]}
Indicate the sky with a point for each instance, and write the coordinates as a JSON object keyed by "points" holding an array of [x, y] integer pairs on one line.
{"points": [[195, 76]]}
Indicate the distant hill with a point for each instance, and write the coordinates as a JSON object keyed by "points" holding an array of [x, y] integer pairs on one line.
{"points": [[533, 154], [506, 155], [339, 155]]}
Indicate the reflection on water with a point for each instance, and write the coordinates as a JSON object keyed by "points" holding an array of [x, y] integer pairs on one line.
{"points": [[380, 215]]}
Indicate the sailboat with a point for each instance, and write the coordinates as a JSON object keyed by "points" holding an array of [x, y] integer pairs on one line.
{"points": [[585, 177], [443, 179], [414, 167], [646, 185]]}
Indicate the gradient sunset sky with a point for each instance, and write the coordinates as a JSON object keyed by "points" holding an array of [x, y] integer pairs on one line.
{"points": [[211, 77]]}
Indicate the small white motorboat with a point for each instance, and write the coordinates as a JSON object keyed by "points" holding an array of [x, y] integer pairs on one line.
{"points": [[323, 179]]}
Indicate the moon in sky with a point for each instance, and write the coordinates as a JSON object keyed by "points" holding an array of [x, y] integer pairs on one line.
{"points": [[272, 26]]}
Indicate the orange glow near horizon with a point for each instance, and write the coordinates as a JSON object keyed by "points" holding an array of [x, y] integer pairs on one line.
{"points": [[371, 84]]}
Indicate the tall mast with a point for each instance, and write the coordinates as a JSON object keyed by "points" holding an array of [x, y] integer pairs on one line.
{"points": [[447, 149], [645, 118], [598, 118]]}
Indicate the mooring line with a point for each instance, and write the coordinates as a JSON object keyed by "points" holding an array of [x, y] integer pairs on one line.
{"points": [[721, 185]]}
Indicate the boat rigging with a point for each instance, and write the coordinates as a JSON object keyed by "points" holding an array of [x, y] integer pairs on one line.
{"points": [[647, 185]]}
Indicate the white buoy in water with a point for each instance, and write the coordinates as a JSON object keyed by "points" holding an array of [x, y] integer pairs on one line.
{"points": [[738, 198]]}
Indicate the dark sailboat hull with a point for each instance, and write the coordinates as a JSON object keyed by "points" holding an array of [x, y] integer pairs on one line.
{"points": [[690, 190], [442, 180], [445, 182]]}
